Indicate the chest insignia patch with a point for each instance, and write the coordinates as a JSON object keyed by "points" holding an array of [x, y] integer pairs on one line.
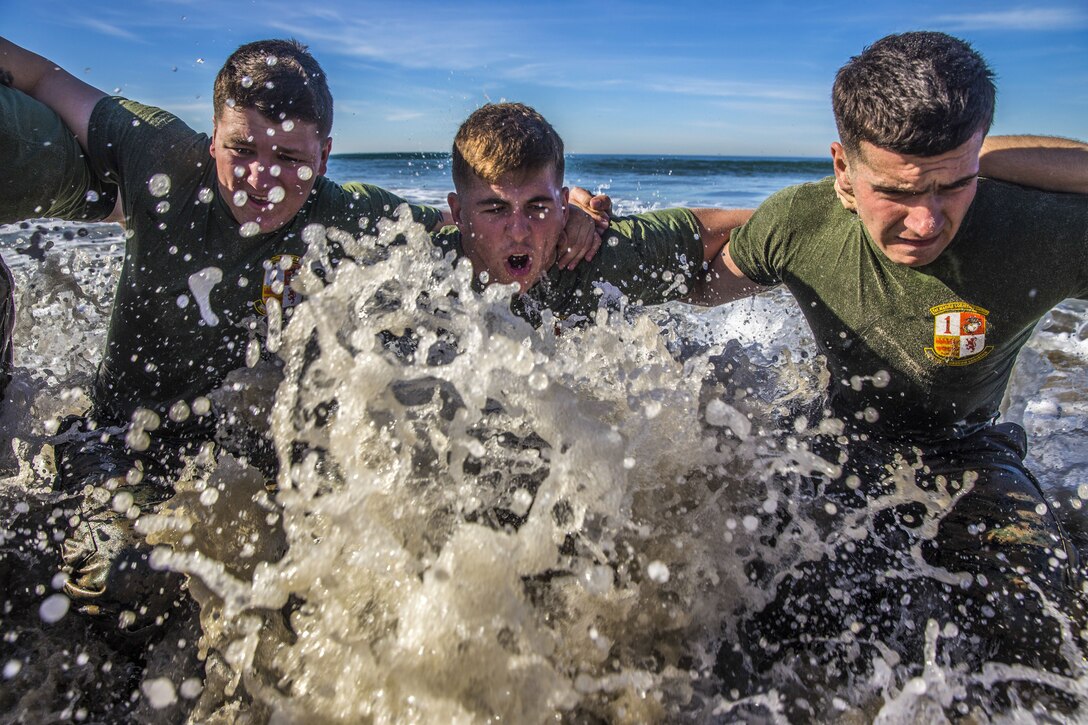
{"points": [[278, 273], [959, 334]]}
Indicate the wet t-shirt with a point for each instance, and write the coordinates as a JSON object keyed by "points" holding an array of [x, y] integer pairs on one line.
{"points": [[926, 352], [645, 259], [194, 291], [43, 172]]}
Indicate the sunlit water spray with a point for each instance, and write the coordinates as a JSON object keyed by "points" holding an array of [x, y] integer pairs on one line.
{"points": [[479, 521]]}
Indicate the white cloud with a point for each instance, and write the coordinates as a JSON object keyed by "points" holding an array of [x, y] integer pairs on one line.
{"points": [[1018, 19], [403, 115], [109, 29]]}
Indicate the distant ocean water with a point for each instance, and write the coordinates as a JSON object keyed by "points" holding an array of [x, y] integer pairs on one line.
{"points": [[636, 182]]}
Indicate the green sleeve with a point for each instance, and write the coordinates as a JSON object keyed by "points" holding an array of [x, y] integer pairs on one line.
{"points": [[758, 246], [659, 253], [43, 172], [384, 203], [126, 138]]}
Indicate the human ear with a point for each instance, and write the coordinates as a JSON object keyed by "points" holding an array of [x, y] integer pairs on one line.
{"points": [[844, 187], [455, 207]]}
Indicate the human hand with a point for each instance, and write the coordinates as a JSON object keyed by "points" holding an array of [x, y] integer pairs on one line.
{"points": [[598, 206], [846, 197], [579, 239]]}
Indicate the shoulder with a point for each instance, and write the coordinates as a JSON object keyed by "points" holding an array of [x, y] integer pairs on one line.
{"points": [[655, 222], [113, 111]]}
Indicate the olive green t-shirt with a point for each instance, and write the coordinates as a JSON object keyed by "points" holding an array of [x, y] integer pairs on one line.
{"points": [[43, 172], [926, 352], [193, 290], [645, 259]]}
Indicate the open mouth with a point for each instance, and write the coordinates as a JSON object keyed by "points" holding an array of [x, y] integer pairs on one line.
{"points": [[518, 263]]}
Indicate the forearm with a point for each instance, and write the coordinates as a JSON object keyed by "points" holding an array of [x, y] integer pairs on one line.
{"points": [[715, 225], [1044, 162], [723, 282], [72, 99]]}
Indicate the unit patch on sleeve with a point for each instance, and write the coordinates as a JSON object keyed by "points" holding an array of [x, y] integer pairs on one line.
{"points": [[959, 334]]}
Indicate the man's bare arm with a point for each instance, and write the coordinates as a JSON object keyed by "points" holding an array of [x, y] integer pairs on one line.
{"points": [[72, 99], [723, 282], [1044, 162]]}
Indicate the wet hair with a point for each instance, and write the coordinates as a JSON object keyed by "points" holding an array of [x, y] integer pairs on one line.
{"points": [[502, 137], [919, 94], [280, 79]]}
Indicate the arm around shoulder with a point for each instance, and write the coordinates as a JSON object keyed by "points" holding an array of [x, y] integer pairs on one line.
{"points": [[1050, 163], [72, 99]]}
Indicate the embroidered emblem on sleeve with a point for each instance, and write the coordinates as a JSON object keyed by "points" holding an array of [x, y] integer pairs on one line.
{"points": [[278, 273], [959, 334]]}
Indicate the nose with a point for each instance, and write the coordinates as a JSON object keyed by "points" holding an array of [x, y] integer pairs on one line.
{"points": [[257, 175], [517, 227], [924, 219]]}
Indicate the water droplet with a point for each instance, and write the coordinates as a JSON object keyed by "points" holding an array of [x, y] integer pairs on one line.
{"points": [[247, 82], [159, 185], [54, 608], [240, 198], [11, 668], [287, 125], [92, 195], [179, 412], [275, 170], [276, 194], [191, 688], [202, 406], [521, 501], [162, 207], [205, 195], [239, 172], [305, 173], [658, 572], [201, 284], [613, 241], [538, 380], [159, 692], [250, 229]]}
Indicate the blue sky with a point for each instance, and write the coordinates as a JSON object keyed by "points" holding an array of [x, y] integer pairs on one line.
{"points": [[689, 77]]}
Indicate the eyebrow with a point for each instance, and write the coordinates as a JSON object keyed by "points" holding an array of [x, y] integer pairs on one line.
{"points": [[240, 140], [494, 200], [911, 190]]}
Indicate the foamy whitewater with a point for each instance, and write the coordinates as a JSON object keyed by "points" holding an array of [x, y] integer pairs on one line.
{"points": [[482, 523]]}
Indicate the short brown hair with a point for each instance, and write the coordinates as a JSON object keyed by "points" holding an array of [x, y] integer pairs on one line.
{"points": [[919, 93], [502, 137], [280, 79]]}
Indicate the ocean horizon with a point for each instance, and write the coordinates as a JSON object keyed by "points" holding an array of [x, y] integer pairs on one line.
{"points": [[636, 182]]}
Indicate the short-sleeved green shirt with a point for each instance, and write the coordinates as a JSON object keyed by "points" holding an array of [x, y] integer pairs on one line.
{"points": [[192, 288], [921, 353], [43, 172], [645, 259]]}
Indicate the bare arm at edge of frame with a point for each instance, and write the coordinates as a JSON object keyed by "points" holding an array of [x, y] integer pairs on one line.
{"points": [[41, 79]]}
